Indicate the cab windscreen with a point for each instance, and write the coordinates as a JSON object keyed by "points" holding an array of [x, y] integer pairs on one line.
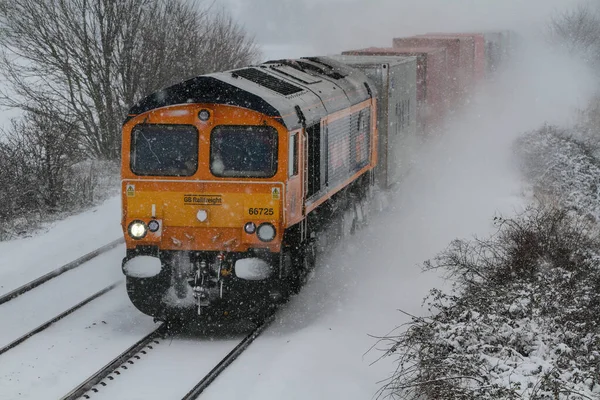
{"points": [[243, 151], [164, 150]]}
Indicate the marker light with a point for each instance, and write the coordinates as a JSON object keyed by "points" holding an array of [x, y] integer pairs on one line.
{"points": [[153, 225], [266, 232], [202, 215], [250, 228], [204, 115], [137, 229]]}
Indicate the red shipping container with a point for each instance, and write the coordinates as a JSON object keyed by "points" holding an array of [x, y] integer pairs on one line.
{"points": [[480, 58], [432, 85], [460, 59]]}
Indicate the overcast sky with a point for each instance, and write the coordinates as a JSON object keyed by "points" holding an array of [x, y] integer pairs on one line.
{"points": [[291, 28]]}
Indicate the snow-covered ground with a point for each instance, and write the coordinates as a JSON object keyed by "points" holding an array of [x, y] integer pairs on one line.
{"points": [[318, 348], [26, 259], [50, 364], [34, 308]]}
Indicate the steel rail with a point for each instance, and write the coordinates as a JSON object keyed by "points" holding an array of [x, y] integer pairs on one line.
{"points": [[47, 324], [59, 271], [117, 362], [229, 358]]}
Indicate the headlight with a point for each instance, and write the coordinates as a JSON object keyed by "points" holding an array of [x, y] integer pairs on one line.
{"points": [[137, 229], [266, 232]]}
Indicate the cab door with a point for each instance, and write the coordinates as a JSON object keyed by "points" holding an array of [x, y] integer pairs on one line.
{"points": [[296, 178]]}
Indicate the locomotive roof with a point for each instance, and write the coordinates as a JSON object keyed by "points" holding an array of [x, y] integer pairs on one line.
{"points": [[317, 86]]}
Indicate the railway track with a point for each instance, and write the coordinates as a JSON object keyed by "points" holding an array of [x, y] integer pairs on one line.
{"points": [[227, 360], [60, 316], [6, 345], [120, 362], [127, 360], [59, 271]]}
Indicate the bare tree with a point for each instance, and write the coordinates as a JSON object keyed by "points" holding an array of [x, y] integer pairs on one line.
{"points": [[11, 187], [92, 59], [39, 151], [578, 31]]}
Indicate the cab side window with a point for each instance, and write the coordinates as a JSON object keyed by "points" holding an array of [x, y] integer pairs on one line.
{"points": [[293, 155]]}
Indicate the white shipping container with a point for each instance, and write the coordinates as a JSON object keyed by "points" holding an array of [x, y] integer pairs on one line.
{"points": [[395, 78]]}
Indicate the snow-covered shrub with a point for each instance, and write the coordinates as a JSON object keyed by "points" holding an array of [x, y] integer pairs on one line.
{"points": [[521, 321], [562, 165], [522, 318], [44, 177], [93, 181], [588, 126]]}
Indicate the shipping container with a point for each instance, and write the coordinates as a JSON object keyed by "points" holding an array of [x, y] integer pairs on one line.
{"points": [[432, 84], [479, 52], [396, 81], [466, 60], [460, 60]]}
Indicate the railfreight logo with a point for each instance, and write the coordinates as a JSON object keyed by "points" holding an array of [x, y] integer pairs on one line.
{"points": [[202, 200]]}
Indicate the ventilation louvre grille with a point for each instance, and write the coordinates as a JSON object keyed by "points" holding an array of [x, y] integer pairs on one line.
{"points": [[268, 81], [321, 68]]}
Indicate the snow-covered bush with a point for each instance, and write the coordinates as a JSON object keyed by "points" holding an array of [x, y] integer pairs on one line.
{"points": [[522, 318], [587, 131], [520, 322], [563, 165], [44, 177]]}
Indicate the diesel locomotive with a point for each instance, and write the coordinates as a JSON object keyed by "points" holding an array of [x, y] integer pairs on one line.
{"points": [[227, 179]]}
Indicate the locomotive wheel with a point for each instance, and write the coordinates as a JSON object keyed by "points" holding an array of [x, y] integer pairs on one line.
{"points": [[146, 294], [298, 263], [292, 277], [309, 259]]}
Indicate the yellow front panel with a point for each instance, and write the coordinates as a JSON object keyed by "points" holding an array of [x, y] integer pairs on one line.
{"points": [[224, 210], [179, 208]]}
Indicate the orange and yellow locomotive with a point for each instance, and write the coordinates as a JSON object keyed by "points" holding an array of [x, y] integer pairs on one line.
{"points": [[228, 178]]}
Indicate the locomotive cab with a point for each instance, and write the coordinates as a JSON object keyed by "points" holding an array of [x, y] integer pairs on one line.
{"points": [[204, 194]]}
